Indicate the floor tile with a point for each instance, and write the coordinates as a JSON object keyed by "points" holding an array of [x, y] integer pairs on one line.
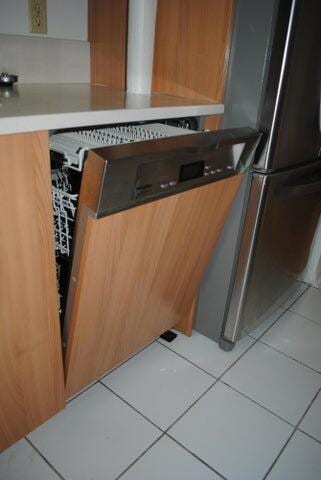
{"points": [[206, 353], [159, 384], [22, 462], [96, 437], [298, 337], [168, 461], [267, 322], [301, 460], [275, 381], [232, 434], [309, 305], [311, 423]]}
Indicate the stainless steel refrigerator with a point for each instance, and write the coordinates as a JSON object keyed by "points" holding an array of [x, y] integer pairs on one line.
{"points": [[274, 83]]}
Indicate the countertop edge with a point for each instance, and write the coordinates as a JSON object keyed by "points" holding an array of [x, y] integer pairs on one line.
{"points": [[33, 123]]}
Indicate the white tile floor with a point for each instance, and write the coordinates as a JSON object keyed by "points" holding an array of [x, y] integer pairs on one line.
{"points": [[188, 411]]}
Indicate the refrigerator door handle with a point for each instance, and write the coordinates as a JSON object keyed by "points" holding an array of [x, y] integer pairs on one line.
{"points": [[300, 189]]}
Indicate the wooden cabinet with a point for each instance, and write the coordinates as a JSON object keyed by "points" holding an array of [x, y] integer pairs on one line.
{"points": [[31, 372], [191, 48], [107, 22], [192, 45]]}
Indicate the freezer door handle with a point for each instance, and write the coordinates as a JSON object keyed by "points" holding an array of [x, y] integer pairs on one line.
{"points": [[299, 189]]}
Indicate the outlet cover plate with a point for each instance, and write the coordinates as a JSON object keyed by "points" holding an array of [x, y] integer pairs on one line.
{"points": [[38, 16]]}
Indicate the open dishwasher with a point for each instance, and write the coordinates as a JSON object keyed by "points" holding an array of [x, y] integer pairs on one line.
{"points": [[137, 211]]}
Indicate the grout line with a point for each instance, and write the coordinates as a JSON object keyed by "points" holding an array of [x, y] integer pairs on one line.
{"points": [[202, 369], [259, 404], [292, 358], [300, 294], [164, 432], [45, 459], [105, 375], [195, 456], [201, 396], [140, 456], [316, 287], [308, 408], [307, 286], [71, 399], [125, 361], [210, 387], [191, 406], [270, 326], [131, 406], [279, 455], [309, 435], [306, 318], [290, 437]]}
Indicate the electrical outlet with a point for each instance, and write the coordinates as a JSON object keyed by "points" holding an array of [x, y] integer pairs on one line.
{"points": [[37, 16]]}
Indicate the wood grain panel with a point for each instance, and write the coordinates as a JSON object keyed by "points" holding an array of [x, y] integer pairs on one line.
{"points": [[107, 26], [212, 122], [31, 372], [186, 324], [192, 43], [137, 275]]}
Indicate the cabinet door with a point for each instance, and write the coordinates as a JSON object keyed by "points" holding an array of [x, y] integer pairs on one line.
{"points": [[135, 275], [31, 373]]}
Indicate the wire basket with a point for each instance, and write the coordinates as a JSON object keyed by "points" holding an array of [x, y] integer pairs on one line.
{"points": [[64, 207], [74, 145]]}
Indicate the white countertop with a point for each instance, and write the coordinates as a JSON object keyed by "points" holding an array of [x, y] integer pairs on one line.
{"points": [[50, 106]]}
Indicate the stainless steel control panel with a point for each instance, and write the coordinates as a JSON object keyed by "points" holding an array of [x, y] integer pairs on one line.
{"points": [[140, 172], [166, 175]]}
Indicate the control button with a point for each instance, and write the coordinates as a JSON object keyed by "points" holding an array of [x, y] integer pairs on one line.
{"points": [[207, 167], [207, 173], [212, 172], [172, 183], [229, 167], [219, 170], [164, 185]]}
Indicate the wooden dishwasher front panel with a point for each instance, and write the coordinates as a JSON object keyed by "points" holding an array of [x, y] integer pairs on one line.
{"points": [[136, 274]]}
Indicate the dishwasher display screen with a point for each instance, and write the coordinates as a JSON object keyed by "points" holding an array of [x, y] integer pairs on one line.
{"points": [[191, 171]]}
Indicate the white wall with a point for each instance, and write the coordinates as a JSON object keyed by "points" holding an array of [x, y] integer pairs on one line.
{"points": [[45, 60], [65, 18]]}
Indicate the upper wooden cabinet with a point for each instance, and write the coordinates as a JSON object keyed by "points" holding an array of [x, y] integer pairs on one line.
{"points": [[107, 33], [31, 372], [192, 42], [191, 47]]}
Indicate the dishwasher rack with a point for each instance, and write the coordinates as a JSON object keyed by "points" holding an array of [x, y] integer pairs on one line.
{"points": [[64, 207], [74, 145]]}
